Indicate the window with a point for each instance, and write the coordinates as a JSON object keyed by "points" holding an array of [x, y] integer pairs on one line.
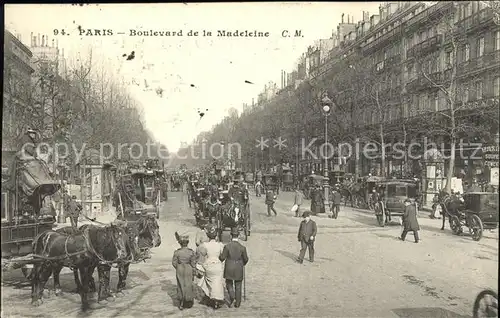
{"points": [[465, 93], [480, 47], [497, 40], [435, 102], [496, 86], [479, 90], [447, 60], [466, 52]]}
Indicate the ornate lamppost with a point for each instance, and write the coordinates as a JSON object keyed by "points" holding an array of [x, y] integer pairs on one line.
{"points": [[327, 106]]}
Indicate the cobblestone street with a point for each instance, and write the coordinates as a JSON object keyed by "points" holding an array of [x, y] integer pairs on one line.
{"points": [[360, 270]]}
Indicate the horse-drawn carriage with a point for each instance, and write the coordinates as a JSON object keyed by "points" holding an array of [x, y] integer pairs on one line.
{"points": [[176, 181], [271, 182], [234, 212], [22, 214], [476, 210], [288, 181], [394, 193], [205, 205], [136, 194]]}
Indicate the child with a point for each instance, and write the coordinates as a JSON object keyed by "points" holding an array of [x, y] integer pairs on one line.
{"points": [[184, 262]]}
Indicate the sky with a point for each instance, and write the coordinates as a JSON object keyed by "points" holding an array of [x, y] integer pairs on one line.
{"points": [[196, 73]]}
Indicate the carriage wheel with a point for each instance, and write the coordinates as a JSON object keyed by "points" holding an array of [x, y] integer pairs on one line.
{"points": [[486, 304], [476, 227], [379, 213], [455, 225]]}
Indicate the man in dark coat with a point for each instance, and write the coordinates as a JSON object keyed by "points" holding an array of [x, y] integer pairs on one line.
{"points": [[336, 198], [270, 199], [306, 237], [74, 211], [410, 222], [236, 258]]}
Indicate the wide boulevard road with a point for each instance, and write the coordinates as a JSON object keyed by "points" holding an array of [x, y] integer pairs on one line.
{"points": [[361, 270]]}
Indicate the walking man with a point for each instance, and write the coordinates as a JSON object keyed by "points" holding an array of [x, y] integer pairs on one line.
{"points": [[306, 237], [270, 199], [74, 211], [410, 221], [298, 200], [336, 198], [236, 258]]}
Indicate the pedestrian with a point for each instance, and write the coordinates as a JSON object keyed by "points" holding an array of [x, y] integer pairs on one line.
{"points": [[270, 199], [306, 237], [236, 257], [258, 189], [73, 211], [336, 199], [201, 236], [211, 269], [299, 197], [184, 262], [410, 222]]}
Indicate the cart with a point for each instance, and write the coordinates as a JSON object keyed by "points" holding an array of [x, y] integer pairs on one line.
{"points": [[23, 218], [478, 213]]}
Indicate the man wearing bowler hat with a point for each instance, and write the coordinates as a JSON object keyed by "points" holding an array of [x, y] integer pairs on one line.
{"points": [[306, 237], [236, 258]]}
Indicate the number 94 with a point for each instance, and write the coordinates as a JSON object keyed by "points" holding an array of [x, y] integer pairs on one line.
{"points": [[59, 32]]}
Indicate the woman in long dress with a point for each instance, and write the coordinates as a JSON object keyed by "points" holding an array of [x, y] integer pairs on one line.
{"points": [[184, 262], [209, 265]]}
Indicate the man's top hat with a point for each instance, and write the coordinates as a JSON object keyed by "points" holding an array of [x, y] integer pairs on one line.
{"points": [[306, 214], [235, 232]]}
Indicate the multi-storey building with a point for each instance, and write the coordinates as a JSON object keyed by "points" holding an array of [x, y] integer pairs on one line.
{"points": [[17, 76], [405, 56]]}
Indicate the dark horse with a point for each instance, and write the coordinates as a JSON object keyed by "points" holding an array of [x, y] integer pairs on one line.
{"points": [[212, 203], [143, 234], [80, 251], [450, 205]]}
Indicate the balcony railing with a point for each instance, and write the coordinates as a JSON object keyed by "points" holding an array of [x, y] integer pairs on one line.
{"points": [[476, 20], [422, 82], [422, 17], [479, 63], [383, 39], [425, 46]]}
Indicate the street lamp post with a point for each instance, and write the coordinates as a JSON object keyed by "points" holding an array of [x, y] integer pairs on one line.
{"points": [[327, 106]]}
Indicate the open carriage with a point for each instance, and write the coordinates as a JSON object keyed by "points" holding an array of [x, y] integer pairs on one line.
{"points": [[233, 213], [23, 218]]}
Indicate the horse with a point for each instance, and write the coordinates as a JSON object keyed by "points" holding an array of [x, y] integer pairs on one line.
{"points": [[143, 234], [450, 204], [80, 251]]}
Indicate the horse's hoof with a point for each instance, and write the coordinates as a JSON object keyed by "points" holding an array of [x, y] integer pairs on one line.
{"points": [[120, 294], [36, 303], [111, 298], [46, 293], [102, 301], [58, 292]]}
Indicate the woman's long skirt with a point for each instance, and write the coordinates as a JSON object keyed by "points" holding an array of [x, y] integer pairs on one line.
{"points": [[185, 291], [212, 282]]}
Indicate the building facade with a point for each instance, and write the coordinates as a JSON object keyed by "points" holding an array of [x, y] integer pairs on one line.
{"points": [[397, 66], [17, 76]]}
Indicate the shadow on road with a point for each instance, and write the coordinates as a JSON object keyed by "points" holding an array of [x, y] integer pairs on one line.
{"points": [[426, 312], [290, 255], [171, 290]]}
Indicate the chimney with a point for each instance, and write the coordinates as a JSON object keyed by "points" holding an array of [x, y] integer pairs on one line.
{"points": [[43, 40], [342, 21], [31, 39]]}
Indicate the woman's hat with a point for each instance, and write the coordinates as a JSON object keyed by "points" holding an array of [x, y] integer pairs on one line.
{"points": [[408, 201], [235, 231], [210, 229]]}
